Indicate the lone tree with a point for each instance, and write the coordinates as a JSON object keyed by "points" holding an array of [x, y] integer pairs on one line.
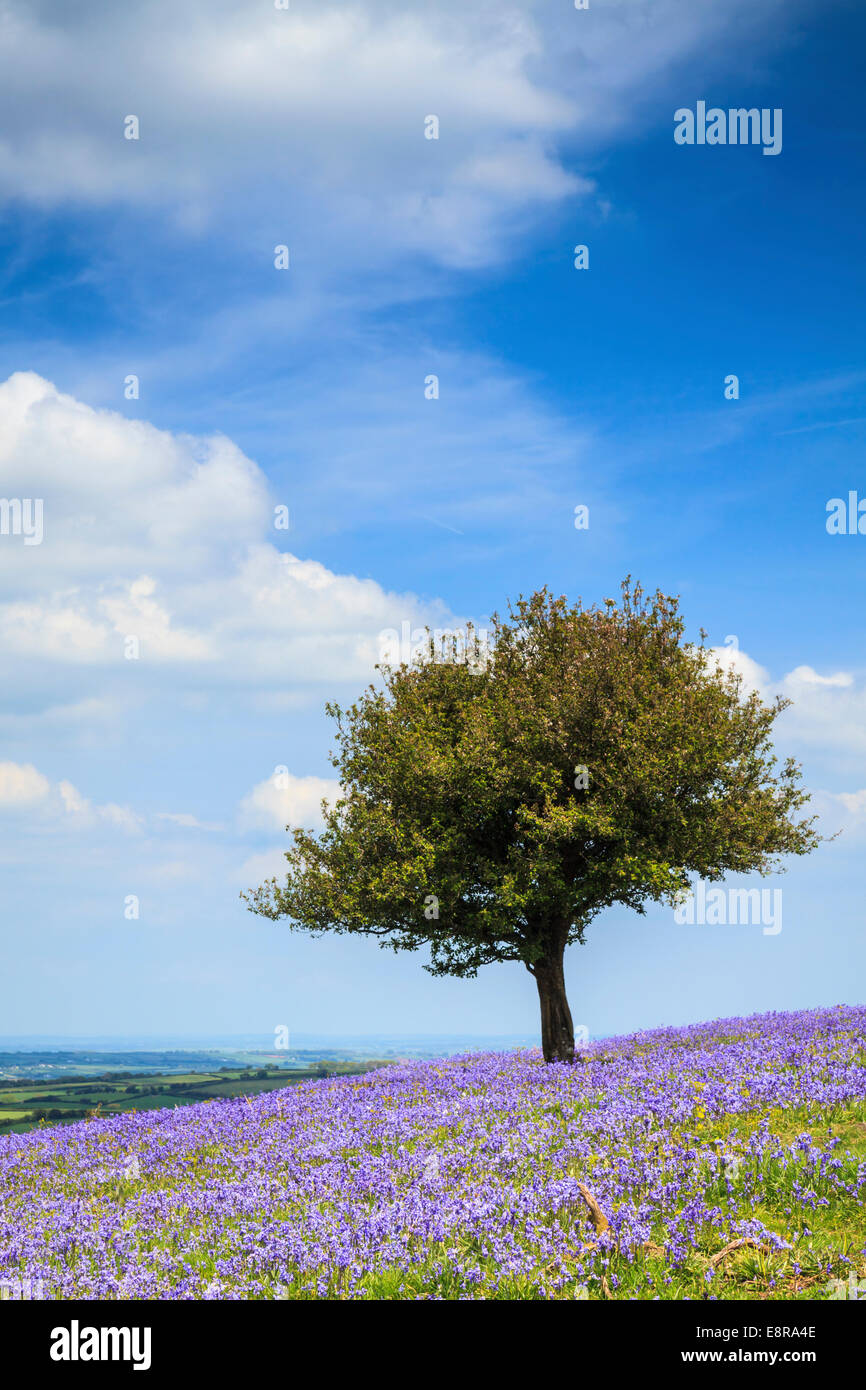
{"points": [[495, 800]]}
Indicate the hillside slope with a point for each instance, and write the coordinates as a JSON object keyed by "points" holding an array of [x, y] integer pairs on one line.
{"points": [[486, 1176]]}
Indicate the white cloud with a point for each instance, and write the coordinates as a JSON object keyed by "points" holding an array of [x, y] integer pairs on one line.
{"points": [[826, 720], [285, 800], [169, 539], [241, 105], [122, 816], [164, 539], [804, 676], [731, 658], [22, 785], [73, 802], [186, 821], [118, 493], [329, 103], [33, 796]]}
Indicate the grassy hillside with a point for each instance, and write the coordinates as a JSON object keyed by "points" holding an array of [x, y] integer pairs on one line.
{"points": [[725, 1160]]}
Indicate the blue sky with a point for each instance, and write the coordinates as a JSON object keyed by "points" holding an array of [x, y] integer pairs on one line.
{"points": [[154, 776]]}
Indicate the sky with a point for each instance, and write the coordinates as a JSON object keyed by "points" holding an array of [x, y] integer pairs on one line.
{"points": [[172, 395]]}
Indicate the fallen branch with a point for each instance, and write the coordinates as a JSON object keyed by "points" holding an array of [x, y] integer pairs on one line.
{"points": [[596, 1215]]}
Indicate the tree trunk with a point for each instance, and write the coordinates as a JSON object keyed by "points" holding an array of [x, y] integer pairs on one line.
{"points": [[557, 1029]]}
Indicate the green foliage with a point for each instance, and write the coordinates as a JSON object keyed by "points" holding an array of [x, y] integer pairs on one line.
{"points": [[465, 823]]}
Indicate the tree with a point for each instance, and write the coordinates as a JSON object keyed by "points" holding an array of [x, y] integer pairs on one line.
{"points": [[495, 800]]}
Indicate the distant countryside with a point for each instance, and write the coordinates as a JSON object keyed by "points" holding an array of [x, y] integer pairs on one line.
{"points": [[112, 1084]]}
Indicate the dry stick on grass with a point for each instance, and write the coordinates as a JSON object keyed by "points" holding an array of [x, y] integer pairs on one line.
{"points": [[738, 1245], [596, 1215], [601, 1223]]}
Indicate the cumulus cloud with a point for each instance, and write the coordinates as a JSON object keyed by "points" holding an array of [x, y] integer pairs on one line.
{"points": [[285, 800], [27, 792], [44, 804], [168, 540], [826, 720], [22, 785], [731, 658], [828, 717], [158, 553], [802, 677], [118, 494]]}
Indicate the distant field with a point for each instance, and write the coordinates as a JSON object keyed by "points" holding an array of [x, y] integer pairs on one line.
{"points": [[34, 1104]]}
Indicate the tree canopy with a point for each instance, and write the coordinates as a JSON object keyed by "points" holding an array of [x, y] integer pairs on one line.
{"points": [[495, 798]]}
